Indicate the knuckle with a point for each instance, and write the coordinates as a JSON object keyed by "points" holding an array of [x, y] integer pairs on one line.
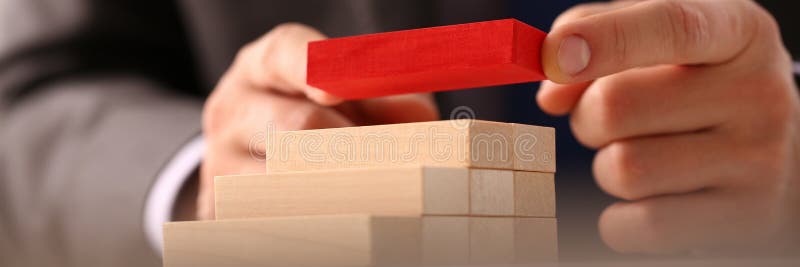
{"points": [[251, 62], [773, 105], [621, 172], [267, 52], [768, 135], [771, 164], [223, 120], [244, 52], [277, 54], [610, 106], [577, 11], [287, 29], [688, 27], [779, 112], [213, 112], [304, 117], [622, 39], [582, 129], [767, 24]]}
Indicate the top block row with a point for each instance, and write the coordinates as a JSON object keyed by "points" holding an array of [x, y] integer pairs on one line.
{"points": [[449, 143]]}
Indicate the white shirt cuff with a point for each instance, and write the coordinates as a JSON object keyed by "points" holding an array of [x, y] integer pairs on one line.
{"points": [[161, 199]]}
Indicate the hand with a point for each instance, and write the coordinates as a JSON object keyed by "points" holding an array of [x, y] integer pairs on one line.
{"points": [[267, 84], [695, 114]]}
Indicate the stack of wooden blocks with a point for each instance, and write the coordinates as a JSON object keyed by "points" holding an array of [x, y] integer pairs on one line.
{"points": [[431, 193]]}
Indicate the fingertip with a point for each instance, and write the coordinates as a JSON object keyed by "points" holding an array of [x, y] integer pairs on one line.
{"points": [[544, 100], [400, 109], [549, 58], [566, 56], [323, 98], [559, 99]]}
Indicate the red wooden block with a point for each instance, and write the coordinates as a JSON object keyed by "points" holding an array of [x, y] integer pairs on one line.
{"points": [[427, 60]]}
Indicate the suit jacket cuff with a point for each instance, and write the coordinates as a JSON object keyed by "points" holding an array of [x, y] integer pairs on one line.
{"points": [[164, 192]]}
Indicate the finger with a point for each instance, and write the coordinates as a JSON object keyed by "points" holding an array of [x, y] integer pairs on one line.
{"points": [[661, 100], [399, 109], [391, 109], [649, 33], [714, 219], [670, 164], [228, 161], [556, 99], [277, 61], [559, 99], [283, 113]]}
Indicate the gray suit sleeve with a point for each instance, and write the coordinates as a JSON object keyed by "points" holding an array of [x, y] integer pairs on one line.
{"points": [[90, 111]]}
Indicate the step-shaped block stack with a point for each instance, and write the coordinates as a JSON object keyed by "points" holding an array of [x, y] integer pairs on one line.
{"points": [[443, 192]]}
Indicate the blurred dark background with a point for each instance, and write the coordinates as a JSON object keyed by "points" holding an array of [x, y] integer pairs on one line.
{"points": [[184, 46]]}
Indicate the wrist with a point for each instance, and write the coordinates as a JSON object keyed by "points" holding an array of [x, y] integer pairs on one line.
{"points": [[185, 208]]}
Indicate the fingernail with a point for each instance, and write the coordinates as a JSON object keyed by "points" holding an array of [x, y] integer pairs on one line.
{"points": [[573, 55]]}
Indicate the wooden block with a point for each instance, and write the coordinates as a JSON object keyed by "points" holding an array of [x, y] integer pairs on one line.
{"points": [[534, 148], [359, 240], [381, 191], [492, 192], [534, 194], [512, 193], [344, 240], [408, 191], [451, 143], [445, 191], [506, 240], [427, 60]]}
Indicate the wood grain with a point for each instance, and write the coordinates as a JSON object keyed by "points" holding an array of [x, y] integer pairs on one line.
{"points": [[534, 194], [512, 193], [492, 192]]}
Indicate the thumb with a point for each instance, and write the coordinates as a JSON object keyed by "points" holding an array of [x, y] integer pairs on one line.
{"points": [[681, 32]]}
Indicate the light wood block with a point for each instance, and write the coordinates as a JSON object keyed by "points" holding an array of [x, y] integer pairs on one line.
{"points": [[380, 191], [345, 240], [512, 193], [360, 240], [534, 194], [492, 192], [409, 191], [534, 148], [450, 143]]}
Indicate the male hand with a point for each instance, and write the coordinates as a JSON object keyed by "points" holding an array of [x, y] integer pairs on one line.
{"points": [[693, 109], [267, 84]]}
